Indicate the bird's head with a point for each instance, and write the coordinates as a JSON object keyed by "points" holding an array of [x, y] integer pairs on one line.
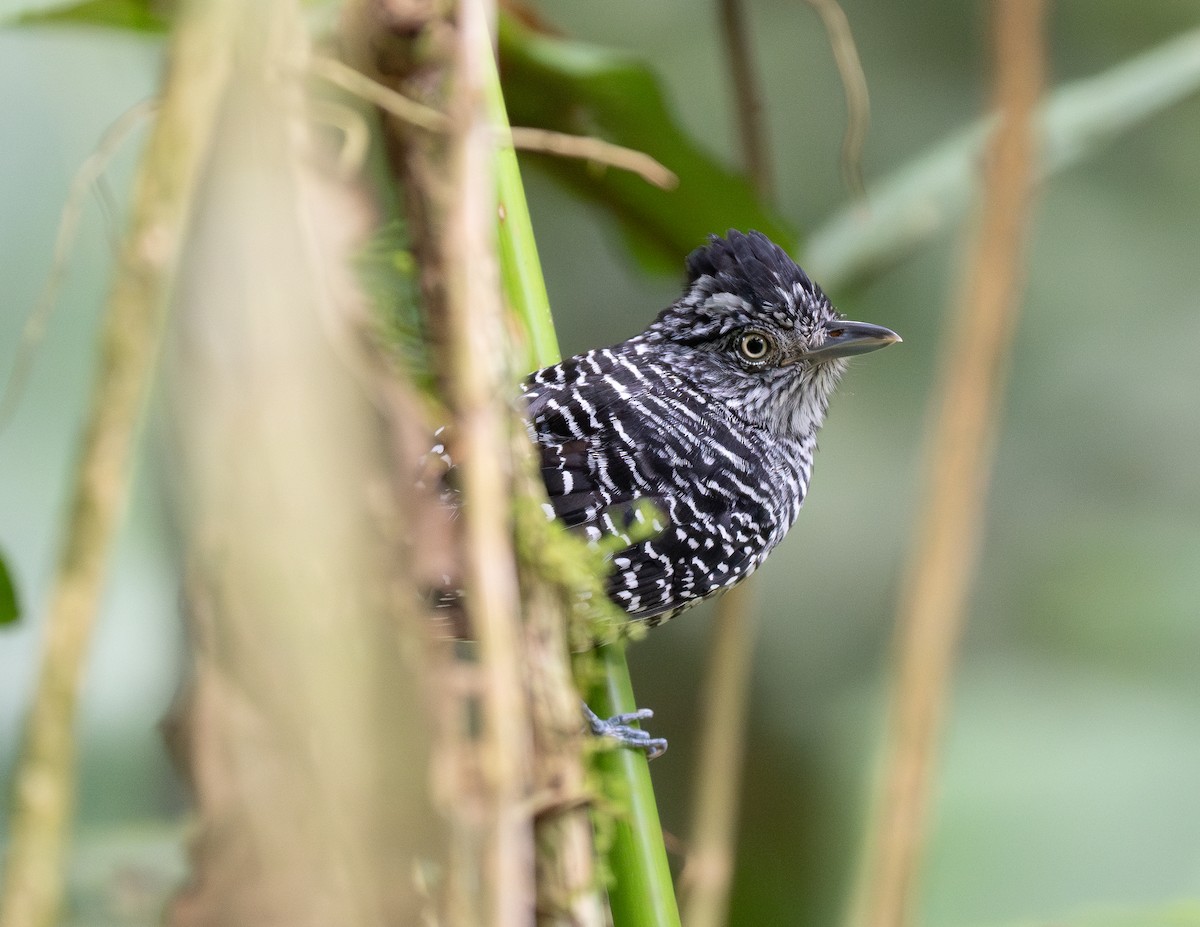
{"points": [[758, 335]]}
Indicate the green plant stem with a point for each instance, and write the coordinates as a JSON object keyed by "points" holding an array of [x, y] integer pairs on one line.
{"points": [[643, 895], [520, 269]]}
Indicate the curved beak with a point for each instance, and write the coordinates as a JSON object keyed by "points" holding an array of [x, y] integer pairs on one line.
{"points": [[843, 339]]}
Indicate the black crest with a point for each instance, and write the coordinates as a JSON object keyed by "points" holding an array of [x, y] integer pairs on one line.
{"points": [[752, 266], [761, 281]]}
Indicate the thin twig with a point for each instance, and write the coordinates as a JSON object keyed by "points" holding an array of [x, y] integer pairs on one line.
{"points": [[356, 135], [589, 148], [387, 99], [88, 176], [545, 141], [45, 781], [933, 603], [752, 131], [708, 870], [854, 86]]}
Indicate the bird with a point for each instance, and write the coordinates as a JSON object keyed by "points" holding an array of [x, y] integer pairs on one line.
{"points": [[705, 424]]}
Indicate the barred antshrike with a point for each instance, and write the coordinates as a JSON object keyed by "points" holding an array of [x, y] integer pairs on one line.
{"points": [[711, 415]]}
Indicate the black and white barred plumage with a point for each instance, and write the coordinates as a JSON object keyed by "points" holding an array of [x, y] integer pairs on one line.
{"points": [[711, 415]]}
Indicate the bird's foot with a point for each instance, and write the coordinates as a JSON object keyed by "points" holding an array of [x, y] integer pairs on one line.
{"points": [[620, 728]]}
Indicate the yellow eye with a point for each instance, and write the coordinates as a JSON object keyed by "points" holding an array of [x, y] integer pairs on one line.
{"points": [[754, 346]]}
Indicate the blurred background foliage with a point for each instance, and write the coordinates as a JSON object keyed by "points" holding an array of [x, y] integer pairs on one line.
{"points": [[1069, 784]]}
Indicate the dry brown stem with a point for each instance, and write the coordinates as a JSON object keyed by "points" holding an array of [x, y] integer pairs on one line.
{"points": [[567, 890], [45, 779], [708, 869], [451, 204], [854, 87], [748, 105], [304, 736], [86, 178], [961, 447], [544, 141], [493, 858], [597, 150]]}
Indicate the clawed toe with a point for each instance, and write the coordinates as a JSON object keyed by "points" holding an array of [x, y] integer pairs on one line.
{"points": [[619, 729]]}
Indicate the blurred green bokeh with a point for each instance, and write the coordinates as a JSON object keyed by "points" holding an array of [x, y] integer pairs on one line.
{"points": [[1071, 776]]}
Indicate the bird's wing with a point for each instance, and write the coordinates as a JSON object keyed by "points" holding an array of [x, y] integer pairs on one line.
{"points": [[676, 569], [599, 463], [604, 454]]}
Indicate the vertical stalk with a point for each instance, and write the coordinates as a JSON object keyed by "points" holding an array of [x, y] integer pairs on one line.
{"points": [[961, 448], [305, 747], [43, 799], [752, 133], [567, 888], [478, 378], [708, 872]]}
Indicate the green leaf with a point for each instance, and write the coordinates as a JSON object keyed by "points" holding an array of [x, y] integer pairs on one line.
{"points": [[10, 610], [132, 15], [582, 89], [924, 197]]}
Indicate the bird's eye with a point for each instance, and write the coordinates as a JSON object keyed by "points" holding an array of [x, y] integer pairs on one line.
{"points": [[754, 346]]}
